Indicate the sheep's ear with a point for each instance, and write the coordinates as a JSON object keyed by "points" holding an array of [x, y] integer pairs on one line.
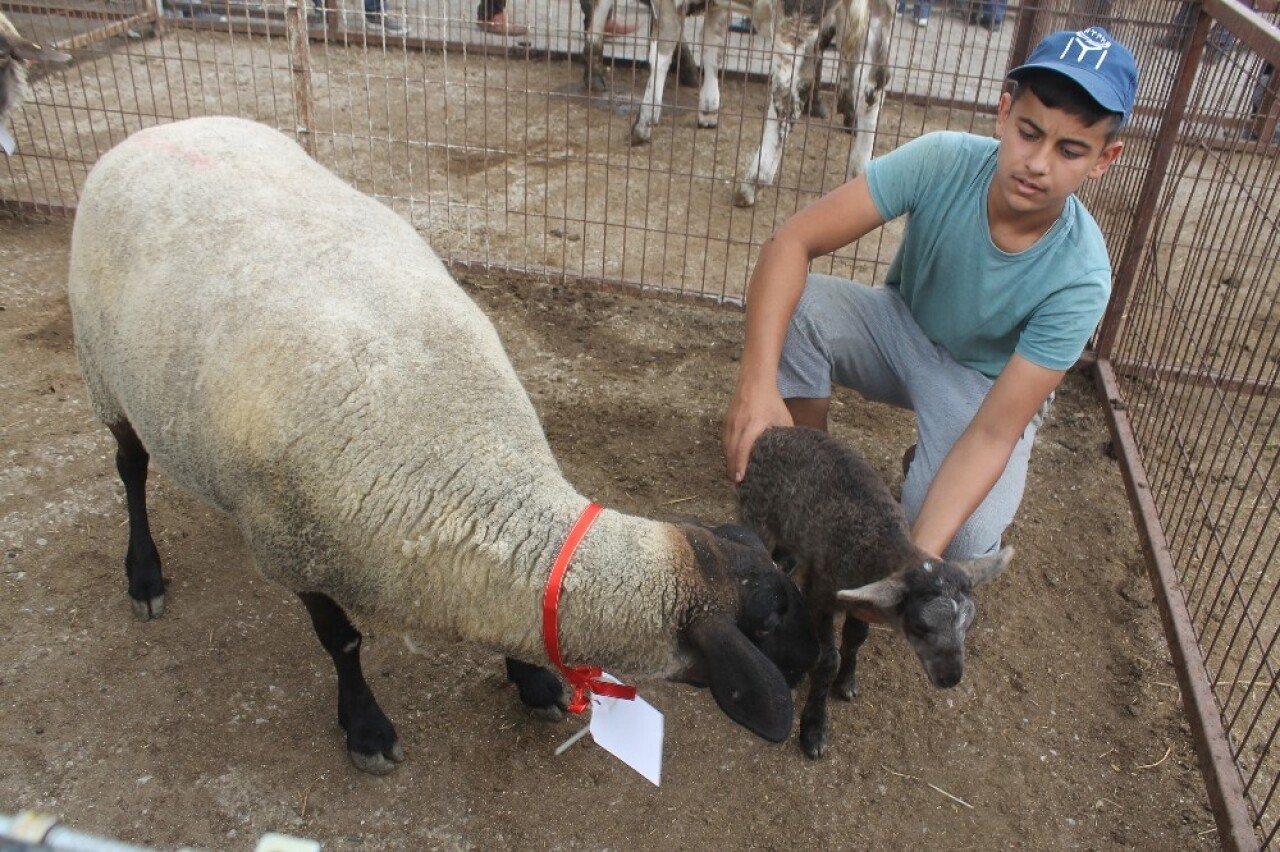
{"points": [[747, 686], [876, 602], [985, 568]]}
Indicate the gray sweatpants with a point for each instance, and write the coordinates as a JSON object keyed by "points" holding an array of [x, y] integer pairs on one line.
{"points": [[864, 338]]}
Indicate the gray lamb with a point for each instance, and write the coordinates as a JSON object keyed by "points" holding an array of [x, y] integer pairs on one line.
{"points": [[815, 500], [293, 352]]}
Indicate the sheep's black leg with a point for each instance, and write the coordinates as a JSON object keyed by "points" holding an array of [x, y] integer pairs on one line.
{"points": [[540, 690], [371, 740], [855, 633], [141, 560], [813, 719]]}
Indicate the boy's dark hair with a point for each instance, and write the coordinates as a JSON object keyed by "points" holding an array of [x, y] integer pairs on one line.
{"points": [[1058, 91]]}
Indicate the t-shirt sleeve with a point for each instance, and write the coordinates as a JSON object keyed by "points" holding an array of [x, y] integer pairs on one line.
{"points": [[1058, 329], [901, 178]]}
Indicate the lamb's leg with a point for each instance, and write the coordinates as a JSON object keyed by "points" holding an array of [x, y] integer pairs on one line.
{"points": [[855, 633], [540, 690], [142, 560], [371, 740], [813, 719]]}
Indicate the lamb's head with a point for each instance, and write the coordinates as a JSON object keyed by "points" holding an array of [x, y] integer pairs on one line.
{"points": [[15, 53], [746, 628], [932, 605]]}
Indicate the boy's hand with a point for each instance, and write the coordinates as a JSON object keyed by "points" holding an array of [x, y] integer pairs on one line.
{"points": [[749, 414]]}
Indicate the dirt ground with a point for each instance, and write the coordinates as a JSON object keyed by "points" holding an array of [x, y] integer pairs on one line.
{"points": [[217, 722]]}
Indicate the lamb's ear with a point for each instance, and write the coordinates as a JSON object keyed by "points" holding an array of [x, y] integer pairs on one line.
{"points": [[749, 689], [985, 568], [877, 602]]}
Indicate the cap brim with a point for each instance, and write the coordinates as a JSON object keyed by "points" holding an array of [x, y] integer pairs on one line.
{"points": [[1095, 85]]}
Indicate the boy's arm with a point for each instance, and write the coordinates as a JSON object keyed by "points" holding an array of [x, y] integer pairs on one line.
{"points": [[832, 222], [979, 456]]}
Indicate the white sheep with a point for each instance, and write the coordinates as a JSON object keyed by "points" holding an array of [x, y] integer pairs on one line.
{"points": [[293, 352], [16, 53]]}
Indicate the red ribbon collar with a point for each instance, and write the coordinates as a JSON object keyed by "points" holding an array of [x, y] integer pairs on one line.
{"points": [[585, 679]]}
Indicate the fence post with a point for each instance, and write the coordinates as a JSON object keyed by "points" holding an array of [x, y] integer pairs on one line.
{"points": [[295, 20]]}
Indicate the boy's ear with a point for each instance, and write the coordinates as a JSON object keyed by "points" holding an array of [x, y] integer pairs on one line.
{"points": [[1106, 158], [1002, 112]]}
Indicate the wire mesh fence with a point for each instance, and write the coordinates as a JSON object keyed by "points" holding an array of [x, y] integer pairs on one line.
{"points": [[498, 152]]}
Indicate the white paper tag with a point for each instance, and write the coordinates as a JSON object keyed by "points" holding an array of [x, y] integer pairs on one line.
{"points": [[629, 730], [6, 141]]}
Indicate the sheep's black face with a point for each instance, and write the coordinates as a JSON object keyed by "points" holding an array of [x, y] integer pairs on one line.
{"points": [[758, 639]]}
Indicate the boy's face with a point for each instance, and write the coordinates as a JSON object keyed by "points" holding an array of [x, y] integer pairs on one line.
{"points": [[1045, 155]]}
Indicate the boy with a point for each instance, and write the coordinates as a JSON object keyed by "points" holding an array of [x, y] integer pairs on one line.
{"points": [[1001, 279]]}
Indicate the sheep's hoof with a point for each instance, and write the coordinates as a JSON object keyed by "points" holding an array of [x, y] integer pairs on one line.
{"points": [[380, 763], [149, 609], [745, 196], [709, 120], [846, 691], [640, 135], [550, 713]]}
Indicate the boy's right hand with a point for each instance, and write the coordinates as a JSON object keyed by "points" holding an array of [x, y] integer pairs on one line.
{"points": [[750, 413]]}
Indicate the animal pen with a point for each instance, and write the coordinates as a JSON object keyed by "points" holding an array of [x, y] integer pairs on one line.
{"points": [[495, 150]]}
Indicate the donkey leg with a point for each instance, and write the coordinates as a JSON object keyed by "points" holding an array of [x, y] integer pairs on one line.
{"points": [[593, 46], [662, 47], [371, 739], [715, 29], [142, 560]]}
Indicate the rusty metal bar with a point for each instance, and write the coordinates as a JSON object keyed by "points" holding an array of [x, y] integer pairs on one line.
{"points": [[1192, 376], [1145, 206], [103, 33], [37, 208], [1217, 763]]}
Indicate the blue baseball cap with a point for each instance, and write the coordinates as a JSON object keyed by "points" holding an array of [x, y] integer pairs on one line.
{"points": [[1102, 66]]}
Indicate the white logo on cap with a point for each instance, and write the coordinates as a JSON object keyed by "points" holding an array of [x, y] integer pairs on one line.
{"points": [[1088, 41]]}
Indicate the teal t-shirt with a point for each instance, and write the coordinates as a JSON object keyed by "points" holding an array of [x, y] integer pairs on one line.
{"points": [[981, 303]]}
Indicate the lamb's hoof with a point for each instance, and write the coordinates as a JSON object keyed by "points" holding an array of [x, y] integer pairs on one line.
{"points": [[148, 609], [380, 763], [814, 747], [845, 691], [745, 197], [640, 135], [708, 121]]}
